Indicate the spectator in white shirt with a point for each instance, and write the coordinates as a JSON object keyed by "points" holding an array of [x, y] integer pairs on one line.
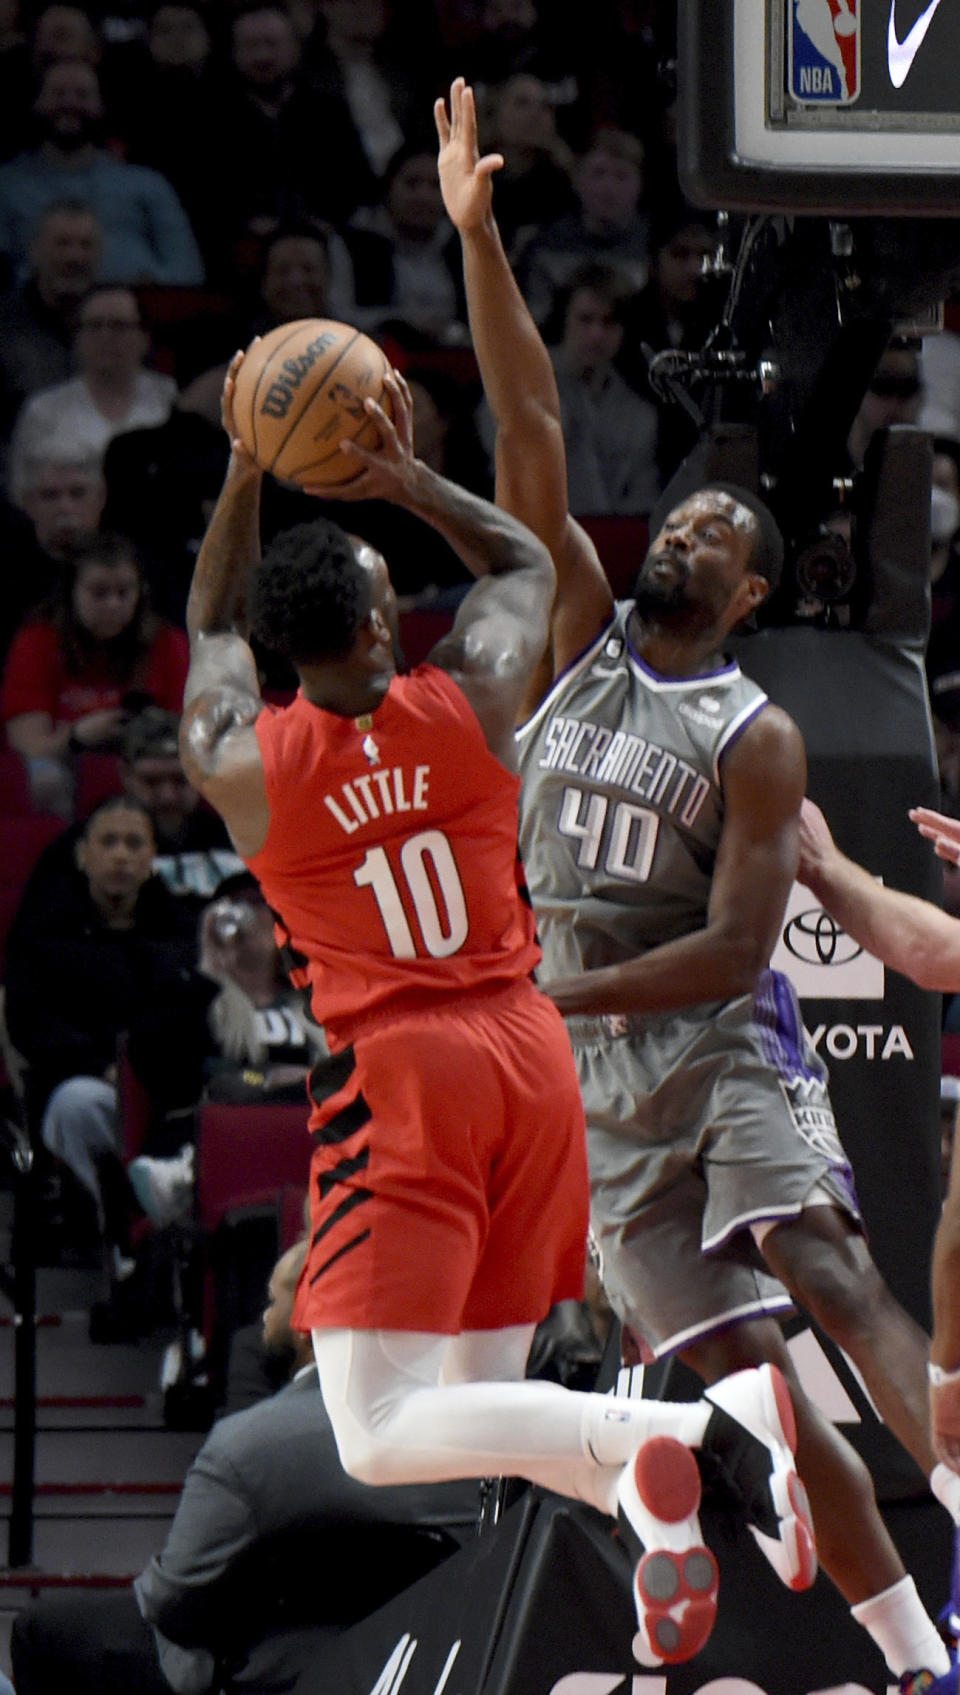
{"points": [[113, 391]]}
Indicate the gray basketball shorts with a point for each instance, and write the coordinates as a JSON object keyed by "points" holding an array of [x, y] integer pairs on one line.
{"points": [[701, 1124]]}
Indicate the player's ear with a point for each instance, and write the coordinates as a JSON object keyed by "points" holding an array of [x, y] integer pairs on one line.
{"points": [[377, 624], [756, 590]]}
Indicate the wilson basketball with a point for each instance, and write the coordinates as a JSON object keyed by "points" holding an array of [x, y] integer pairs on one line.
{"points": [[300, 392]]}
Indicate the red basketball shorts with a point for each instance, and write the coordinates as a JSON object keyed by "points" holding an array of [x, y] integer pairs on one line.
{"points": [[448, 1183]]}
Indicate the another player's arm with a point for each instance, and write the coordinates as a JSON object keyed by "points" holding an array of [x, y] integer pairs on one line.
{"points": [[518, 379], [764, 775], [222, 701], [910, 935]]}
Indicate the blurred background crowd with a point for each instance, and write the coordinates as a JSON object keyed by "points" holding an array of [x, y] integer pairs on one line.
{"points": [[175, 178]]}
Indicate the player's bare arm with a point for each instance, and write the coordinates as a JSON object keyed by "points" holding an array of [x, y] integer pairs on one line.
{"points": [[222, 701], [764, 776], [531, 470], [909, 934], [501, 626]]}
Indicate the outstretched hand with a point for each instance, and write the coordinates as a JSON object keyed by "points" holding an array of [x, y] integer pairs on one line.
{"points": [[385, 471], [465, 178], [942, 831]]}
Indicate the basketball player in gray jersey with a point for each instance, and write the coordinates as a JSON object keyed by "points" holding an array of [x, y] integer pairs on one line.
{"points": [[660, 827]]}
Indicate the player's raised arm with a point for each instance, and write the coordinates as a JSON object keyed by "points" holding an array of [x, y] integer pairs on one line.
{"points": [[519, 383], [501, 627], [218, 743]]}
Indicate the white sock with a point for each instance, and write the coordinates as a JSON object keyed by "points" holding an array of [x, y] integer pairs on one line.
{"points": [[945, 1485], [903, 1630], [613, 1427]]}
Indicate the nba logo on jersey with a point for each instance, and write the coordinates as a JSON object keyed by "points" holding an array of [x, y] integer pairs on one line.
{"points": [[823, 58]]}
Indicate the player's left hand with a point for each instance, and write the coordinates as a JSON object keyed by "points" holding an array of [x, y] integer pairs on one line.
{"points": [[465, 178], [383, 472]]}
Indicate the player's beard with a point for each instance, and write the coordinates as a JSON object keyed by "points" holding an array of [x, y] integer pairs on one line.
{"points": [[662, 597]]}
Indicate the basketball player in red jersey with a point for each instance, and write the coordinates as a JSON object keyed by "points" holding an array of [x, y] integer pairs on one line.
{"points": [[448, 1179]]}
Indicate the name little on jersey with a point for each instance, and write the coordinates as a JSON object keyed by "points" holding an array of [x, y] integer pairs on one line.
{"points": [[379, 794], [582, 749]]}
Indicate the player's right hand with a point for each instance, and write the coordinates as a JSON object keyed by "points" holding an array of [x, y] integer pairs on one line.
{"points": [[465, 178], [386, 471]]}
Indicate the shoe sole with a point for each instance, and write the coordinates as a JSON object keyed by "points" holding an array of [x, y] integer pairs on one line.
{"points": [[792, 1552], [675, 1581]]}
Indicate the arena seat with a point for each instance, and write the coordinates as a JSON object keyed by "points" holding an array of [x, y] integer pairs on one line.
{"points": [[16, 800], [248, 1159], [98, 778]]}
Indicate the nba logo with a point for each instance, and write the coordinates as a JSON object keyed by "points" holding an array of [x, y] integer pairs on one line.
{"points": [[823, 61]]}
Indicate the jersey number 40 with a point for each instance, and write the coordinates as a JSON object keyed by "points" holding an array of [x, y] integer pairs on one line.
{"points": [[627, 834]]}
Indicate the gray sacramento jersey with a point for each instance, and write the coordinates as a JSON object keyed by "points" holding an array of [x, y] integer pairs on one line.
{"points": [[622, 802]]}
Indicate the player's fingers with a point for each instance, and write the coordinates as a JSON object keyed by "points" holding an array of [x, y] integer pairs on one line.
{"points": [[401, 383], [442, 121], [356, 486], [456, 104], [401, 410], [400, 397], [927, 815], [381, 418], [489, 163]]}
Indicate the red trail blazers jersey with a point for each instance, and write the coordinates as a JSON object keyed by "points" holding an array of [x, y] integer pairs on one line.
{"points": [[392, 856]]}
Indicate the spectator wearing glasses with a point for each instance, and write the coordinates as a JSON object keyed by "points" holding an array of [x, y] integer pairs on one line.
{"points": [[113, 391]]}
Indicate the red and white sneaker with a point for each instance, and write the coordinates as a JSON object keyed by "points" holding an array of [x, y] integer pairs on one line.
{"points": [[675, 1577], [747, 1453]]}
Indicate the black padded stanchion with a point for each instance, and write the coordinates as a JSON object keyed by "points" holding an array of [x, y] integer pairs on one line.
{"points": [[541, 1606]]}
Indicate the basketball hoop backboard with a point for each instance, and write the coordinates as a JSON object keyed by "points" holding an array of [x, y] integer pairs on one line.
{"points": [[821, 106]]}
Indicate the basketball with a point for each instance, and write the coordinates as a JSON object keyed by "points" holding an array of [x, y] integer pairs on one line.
{"points": [[300, 392]]}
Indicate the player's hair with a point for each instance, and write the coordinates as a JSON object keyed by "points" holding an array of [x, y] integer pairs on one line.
{"points": [[311, 594], [766, 557]]}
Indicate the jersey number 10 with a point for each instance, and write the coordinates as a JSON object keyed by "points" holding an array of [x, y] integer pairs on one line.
{"points": [[442, 933]]}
